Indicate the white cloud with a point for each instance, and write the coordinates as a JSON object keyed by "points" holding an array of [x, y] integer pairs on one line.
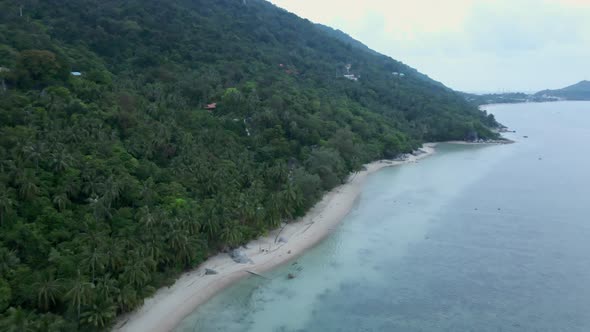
{"points": [[472, 45]]}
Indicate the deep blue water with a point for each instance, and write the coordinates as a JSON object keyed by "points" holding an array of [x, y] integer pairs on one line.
{"points": [[474, 238]]}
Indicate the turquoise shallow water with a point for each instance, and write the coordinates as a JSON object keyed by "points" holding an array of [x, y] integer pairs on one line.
{"points": [[475, 238]]}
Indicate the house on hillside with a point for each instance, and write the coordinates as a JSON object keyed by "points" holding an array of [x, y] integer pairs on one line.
{"points": [[211, 107], [351, 77]]}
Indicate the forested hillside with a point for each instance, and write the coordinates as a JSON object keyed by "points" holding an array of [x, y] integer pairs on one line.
{"points": [[114, 177], [578, 91]]}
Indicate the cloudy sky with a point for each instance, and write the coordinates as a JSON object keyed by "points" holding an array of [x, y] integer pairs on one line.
{"points": [[470, 45]]}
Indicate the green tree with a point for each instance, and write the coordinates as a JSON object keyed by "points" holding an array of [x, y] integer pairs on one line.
{"points": [[231, 234], [93, 259], [27, 185], [8, 260], [49, 290], [6, 203], [5, 295], [17, 320], [99, 314], [34, 67], [60, 201], [80, 293]]}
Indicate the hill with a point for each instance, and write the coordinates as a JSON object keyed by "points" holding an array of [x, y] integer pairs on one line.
{"points": [[497, 98], [578, 91], [139, 137], [402, 68], [345, 38]]}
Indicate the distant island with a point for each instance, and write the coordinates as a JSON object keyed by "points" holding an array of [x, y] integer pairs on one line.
{"points": [[578, 91]]}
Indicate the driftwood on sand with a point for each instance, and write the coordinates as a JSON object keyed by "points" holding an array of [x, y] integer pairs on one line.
{"points": [[256, 274]]}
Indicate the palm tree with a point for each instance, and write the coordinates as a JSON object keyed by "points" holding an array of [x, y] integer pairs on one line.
{"points": [[27, 185], [80, 293], [6, 203], [48, 290], [231, 234], [8, 260], [92, 235], [73, 135], [190, 224], [147, 219], [138, 272], [107, 287], [274, 210], [153, 249], [91, 186], [60, 201], [52, 323], [148, 194], [102, 208], [291, 200], [17, 320], [112, 190], [60, 161], [136, 275], [180, 245], [114, 255], [128, 298], [210, 223], [100, 314], [33, 153], [94, 259]]}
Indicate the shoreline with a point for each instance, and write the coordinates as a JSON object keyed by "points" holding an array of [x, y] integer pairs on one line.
{"points": [[169, 306], [503, 142]]}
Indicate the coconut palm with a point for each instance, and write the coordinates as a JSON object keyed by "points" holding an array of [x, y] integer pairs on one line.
{"points": [[180, 245], [8, 260], [210, 222], [112, 190], [147, 219], [114, 255], [128, 298], [231, 233], [6, 203], [17, 320], [93, 259], [33, 153], [99, 314], [138, 272], [107, 287], [60, 201], [49, 290], [291, 200], [27, 187], [92, 236], [80, 292], [60, 161], [91, 186]]}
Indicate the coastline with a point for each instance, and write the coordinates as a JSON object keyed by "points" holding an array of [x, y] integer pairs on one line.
{"points": [[506, 141], [169, 306]]}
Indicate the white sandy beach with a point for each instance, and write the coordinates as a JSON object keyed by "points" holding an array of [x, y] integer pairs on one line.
{"points": [[169, 306]]}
